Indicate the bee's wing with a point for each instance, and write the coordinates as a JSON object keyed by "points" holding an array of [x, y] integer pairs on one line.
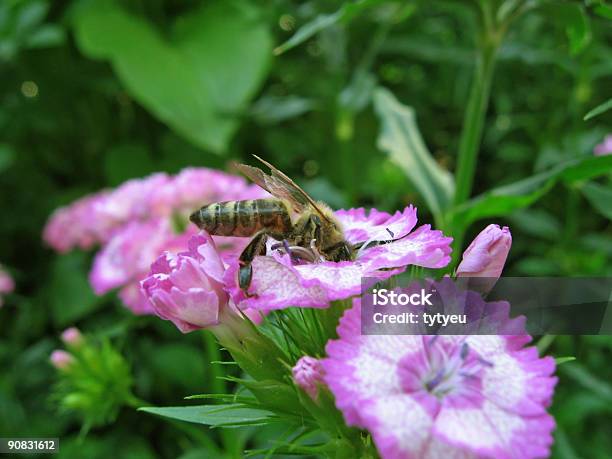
{"points": [[271, 184], [281, 186], [297, 194]]}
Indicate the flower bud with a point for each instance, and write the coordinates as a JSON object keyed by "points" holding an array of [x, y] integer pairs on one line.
{"points": [[61, 359], [308, 374], [97, 384], [72, 337], [605, 147], [7, 285], [486, 255]]}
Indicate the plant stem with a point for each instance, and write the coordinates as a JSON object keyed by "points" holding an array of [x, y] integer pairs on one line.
{"points": [[213, 355], [230, 443], [475, 111], [471, 133]]}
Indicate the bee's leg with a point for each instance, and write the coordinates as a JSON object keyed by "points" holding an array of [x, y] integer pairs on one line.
{"points": [[256, 247]]}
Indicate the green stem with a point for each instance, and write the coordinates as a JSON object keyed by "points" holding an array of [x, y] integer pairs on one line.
{"points": [[230, 443], [475, 111], [471, 133], [213, 354]]}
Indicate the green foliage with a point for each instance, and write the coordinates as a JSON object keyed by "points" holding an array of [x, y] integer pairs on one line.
{"points": [[599, 110], [344, 15], [96, 92], [504, 200], [95, 384], [199, 79], [235, 415], [22, 27], [600, 197], [400, 137]]}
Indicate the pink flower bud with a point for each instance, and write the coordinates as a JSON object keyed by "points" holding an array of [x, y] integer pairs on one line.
{"points": [[486, 255], [187, 288], [605, 147], [61, 359], [308, 374], [72, 337], [7, 285]]}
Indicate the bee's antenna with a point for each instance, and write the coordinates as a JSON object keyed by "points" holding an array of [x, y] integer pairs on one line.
{"points": [[373, 243]]}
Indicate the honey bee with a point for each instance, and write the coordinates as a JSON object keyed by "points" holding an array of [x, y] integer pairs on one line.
{"points": [[306, 229]]}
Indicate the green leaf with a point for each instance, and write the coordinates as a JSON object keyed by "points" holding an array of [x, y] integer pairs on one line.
{"points": [[357, 95], [345, 14], [46, 36], [537, 222], [400, 138], [30, 14], [597, 386], [199, 79], [599, 110], [586, 168], [274, 109], [508, 198], [600, 197], [215, 415], [577, 26], [562, 360], [604, 11]]}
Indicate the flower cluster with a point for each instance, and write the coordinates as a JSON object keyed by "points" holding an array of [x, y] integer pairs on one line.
{"points": [[417, 396], [136, 222], [199, 280], [7, 285]]}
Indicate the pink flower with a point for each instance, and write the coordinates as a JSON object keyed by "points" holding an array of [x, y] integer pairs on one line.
{"points": [[605, 147], [7, 285], [278, 283], [188, 288], [195, 187], [76, 225], [130, 253], [486, 255], [130, 201], [308, 375], [72, 337], [442, 396], [95, 218], [61, 359]]}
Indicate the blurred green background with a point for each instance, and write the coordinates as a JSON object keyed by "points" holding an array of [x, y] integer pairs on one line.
{"points": [[95, 92]]}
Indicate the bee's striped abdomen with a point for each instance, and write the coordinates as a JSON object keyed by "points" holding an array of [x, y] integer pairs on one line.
{"points": [[243, 218]]}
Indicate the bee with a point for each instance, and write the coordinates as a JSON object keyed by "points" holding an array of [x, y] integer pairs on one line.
{"points": [[306, 229]]}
